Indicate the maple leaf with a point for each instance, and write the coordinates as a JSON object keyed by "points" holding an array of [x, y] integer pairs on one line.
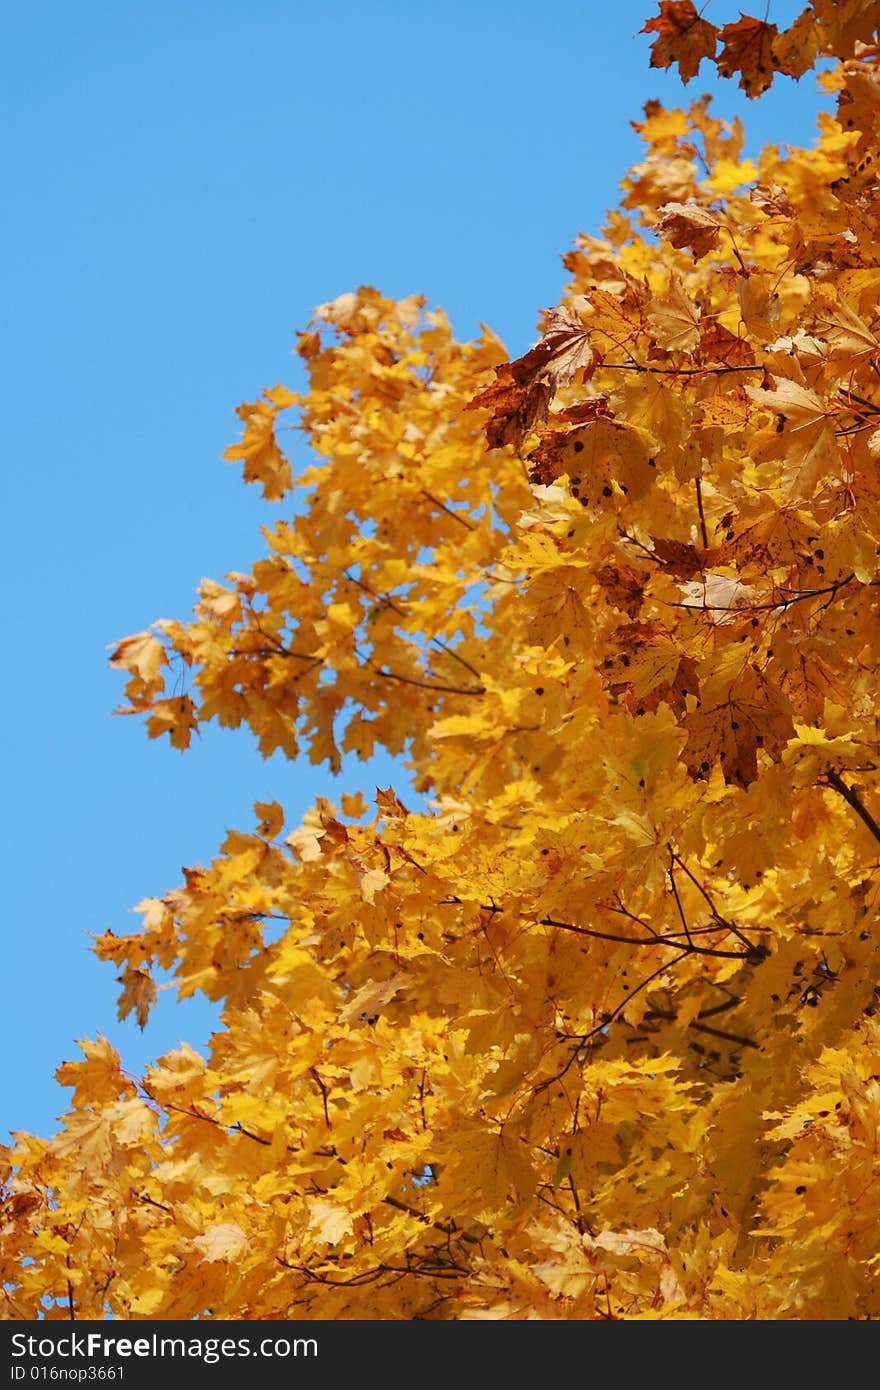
{"points": [[846, 333], [801, 437], [389, 804], [647, 1245], [734, 722], [563, 351], [225, 1242], [174, 717], [795, 48], [493, 1167], [773, 200], [846, 24], [99, 1078], [718, 344], [649, 668], [521, 394], [516, 409], [177, 1078], [679, 558], [690, 225], [749, 50], [329, 1221], [673, 320], [607, 463], [141, 654], [263, 460], [366, 1002], [139, 994], [682, 37], [719, 595]]}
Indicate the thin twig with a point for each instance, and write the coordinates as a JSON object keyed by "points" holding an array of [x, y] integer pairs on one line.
{"points": [[609, 1018], [313, 1073], [851, 798], [683, 919], [456, 516], [722, 921], [678, 371], [727, 1037], [427, 685], [848, 395], [396, 608], [673, 940]]}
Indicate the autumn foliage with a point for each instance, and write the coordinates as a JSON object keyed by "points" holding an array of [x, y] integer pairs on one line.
{"points": [[582, 1025]]}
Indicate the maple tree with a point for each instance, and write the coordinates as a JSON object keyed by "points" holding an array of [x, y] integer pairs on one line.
{"points": [[593, 1032]]}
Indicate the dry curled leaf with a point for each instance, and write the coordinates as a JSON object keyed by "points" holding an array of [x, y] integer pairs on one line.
{"points": [[689, 225]]}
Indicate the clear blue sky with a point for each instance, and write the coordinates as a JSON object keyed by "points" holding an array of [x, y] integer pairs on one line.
{"points": [[184, 182]]}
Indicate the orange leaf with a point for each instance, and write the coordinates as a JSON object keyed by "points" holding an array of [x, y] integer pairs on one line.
{"points": [[563, 351], [682, 37], [748, 50], [516, 410]]}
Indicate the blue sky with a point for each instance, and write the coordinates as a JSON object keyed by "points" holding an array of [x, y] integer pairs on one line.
{"points": [[185, 182]]}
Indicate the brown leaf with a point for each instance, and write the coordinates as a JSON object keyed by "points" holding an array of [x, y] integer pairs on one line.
{"points": [[582, 412], [718, 344], [139, 994], [516, 410], [748, 50], [682, 37], [680, 560], [520, 395], [794, 50], [732, 723], [309, 345], [690, 225], [563, 351], [773, 200], [623, 587], [389, 804]]}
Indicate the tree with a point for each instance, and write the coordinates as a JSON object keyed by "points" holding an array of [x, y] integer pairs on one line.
{"points": [[591, 1033]]}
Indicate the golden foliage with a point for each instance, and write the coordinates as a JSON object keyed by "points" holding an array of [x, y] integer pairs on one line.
{"points": [[592, 1033]]}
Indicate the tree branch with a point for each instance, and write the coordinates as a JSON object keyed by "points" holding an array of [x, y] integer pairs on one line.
{"points": [[703, 531], [426, 685], [851, 798], [584, 1038], [745, 608], [456, 516], [677, 371]]}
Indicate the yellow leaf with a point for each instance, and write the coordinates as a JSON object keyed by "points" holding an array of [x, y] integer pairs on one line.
{"points": [[226, 1241], [329, 1222]]}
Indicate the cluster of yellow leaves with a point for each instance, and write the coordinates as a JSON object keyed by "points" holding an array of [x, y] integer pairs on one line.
{"points": [[593, 1035]]}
